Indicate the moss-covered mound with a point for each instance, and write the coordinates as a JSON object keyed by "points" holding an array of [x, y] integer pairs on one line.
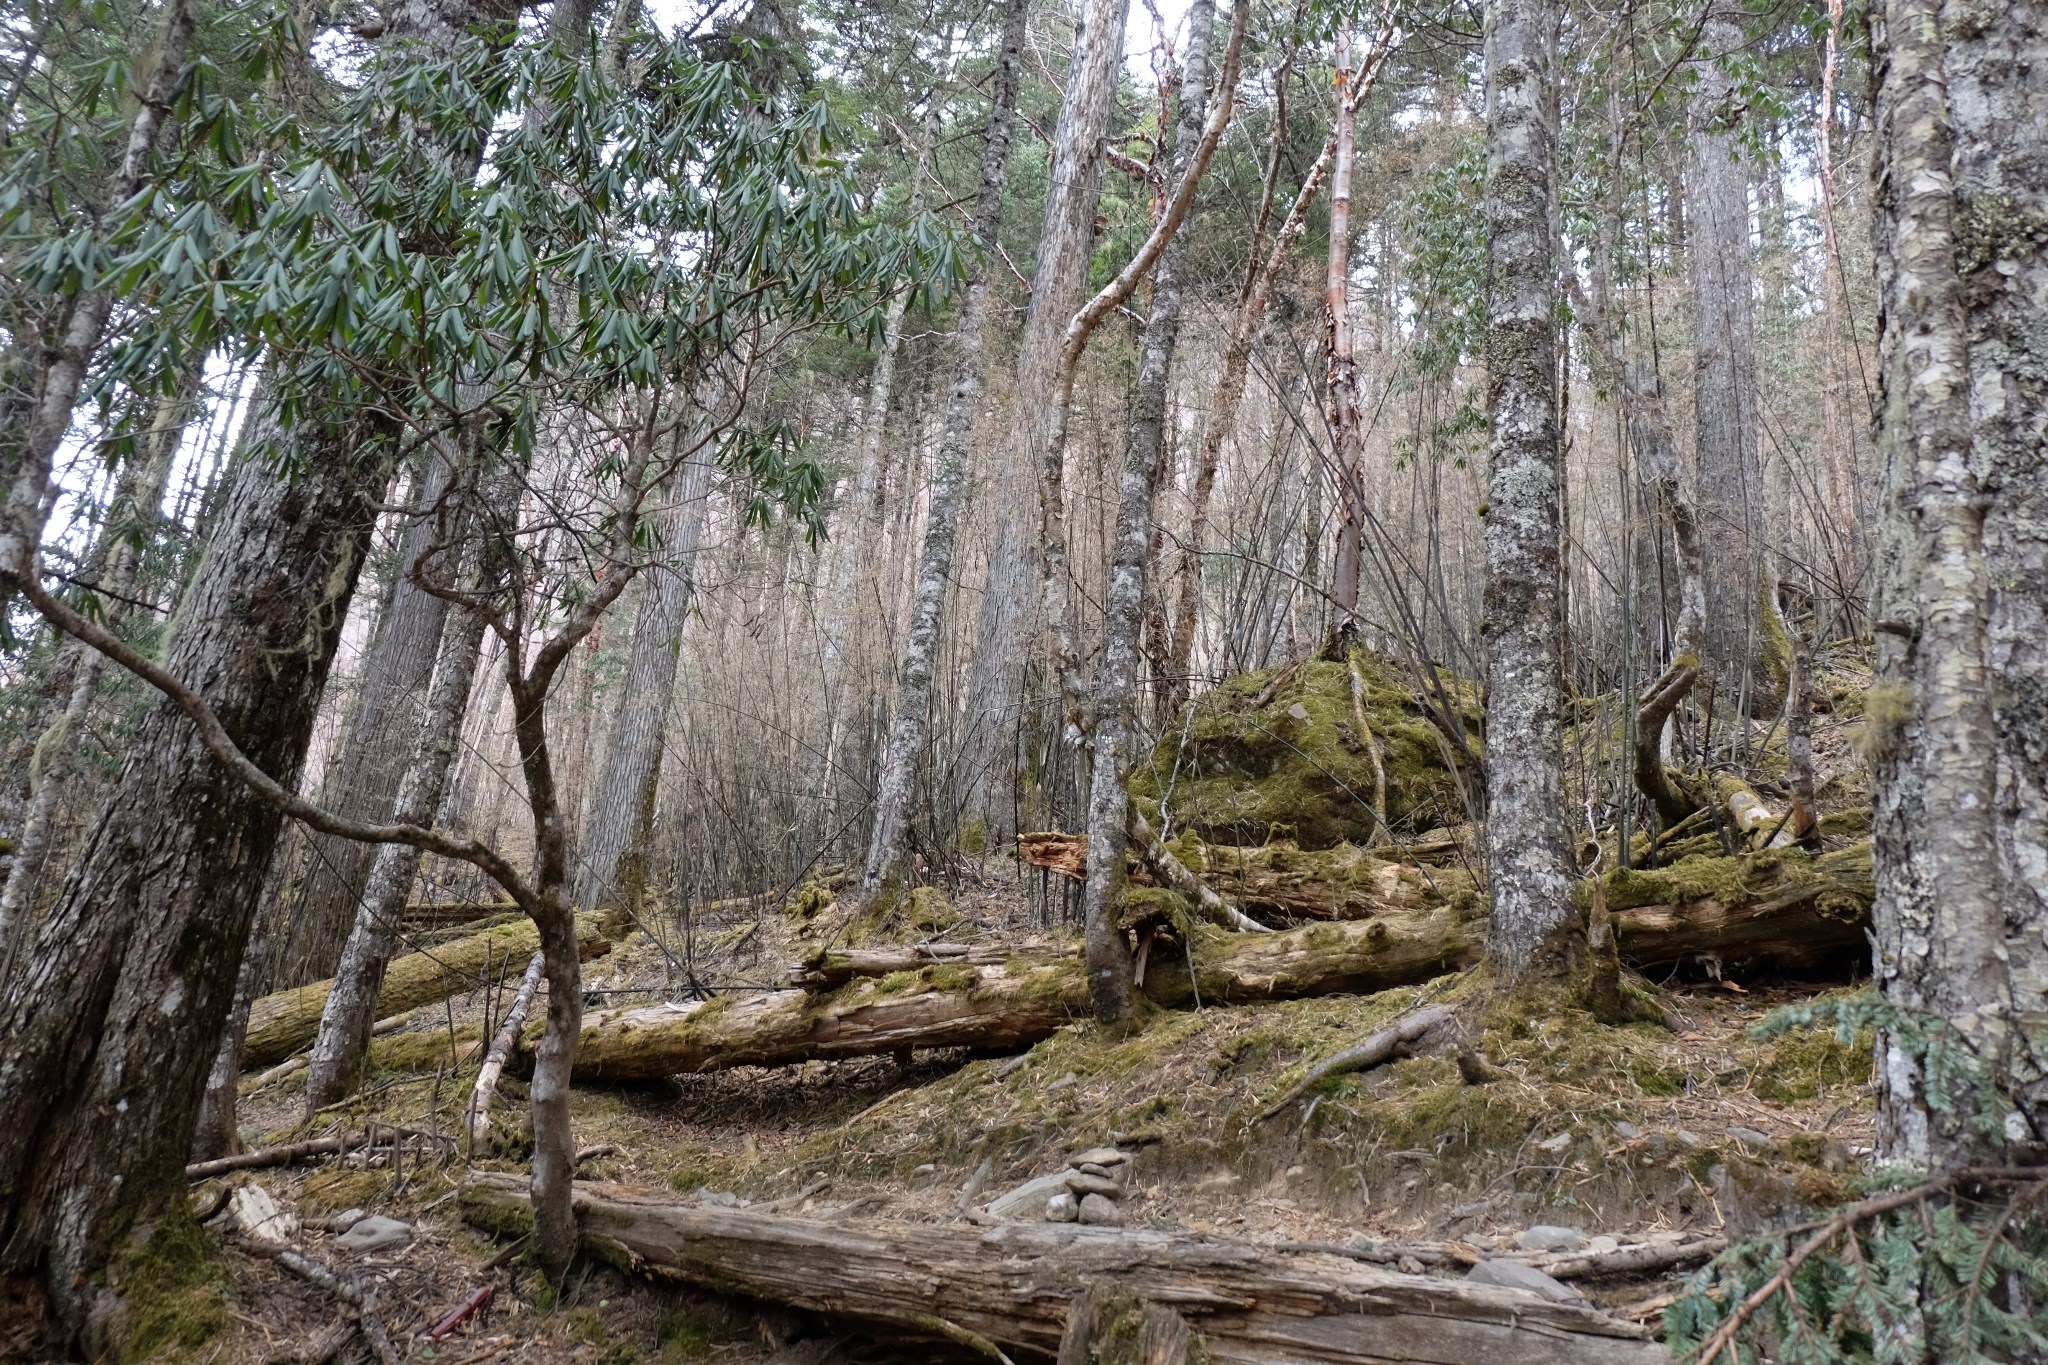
{"points": [[1296, 767]]}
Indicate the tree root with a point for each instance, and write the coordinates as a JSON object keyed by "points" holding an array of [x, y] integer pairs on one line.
{"points": [[1395, 1040]]}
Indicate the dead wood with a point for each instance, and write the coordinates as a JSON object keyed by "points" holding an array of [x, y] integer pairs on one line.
{"points": [[827, 968], [1759, 827], [479, 1113], [1643, 1260], [1012, 1285], [1662, 698], [1784, 908], [283, 1023], [348, 1289], [1395, 1040], [1173, 873], [283, 1155]]}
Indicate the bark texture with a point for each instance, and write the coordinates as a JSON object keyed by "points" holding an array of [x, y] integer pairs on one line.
{"points": [[1534, 922], [1731, 487], [1117, 741], [352, 1002], [612, 863], [1960, 731], [1013, 1285], [912, 721], [371, 764], [996, 682], [114, 1023], [1340, 353]]}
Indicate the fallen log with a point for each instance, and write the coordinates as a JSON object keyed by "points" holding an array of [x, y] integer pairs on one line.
{"points": [[1013, 1284], [1783, 908], [422, 913], [282, 1023], [1278, 879], [826, 968]]}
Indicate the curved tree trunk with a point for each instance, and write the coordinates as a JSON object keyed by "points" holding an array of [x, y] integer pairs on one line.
{"points": [[1108, 956], [887, 838], [1535, 925]]}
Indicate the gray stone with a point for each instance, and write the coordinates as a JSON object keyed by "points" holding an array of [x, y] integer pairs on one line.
{"points": [[1080, 1182], [1027, 1199], [1750, 1137], [1116, 1173], [1100, 1211], [1550, 1237], [1556, 1144], [1625, 1130], [375, 1233], [1099, 1156], [1062, 1208], [1516, 1275], [1686, 1137]]}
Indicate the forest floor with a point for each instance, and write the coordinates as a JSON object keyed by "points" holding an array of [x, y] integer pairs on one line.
{"points": [[1687, 1126]]}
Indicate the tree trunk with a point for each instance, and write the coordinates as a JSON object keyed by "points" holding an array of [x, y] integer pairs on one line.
{"points": [[996, 682], [1341, 357], [912, 720], [352, 1004], [1961, 810], [610, 872], [283, 1023], [1011, 1287], [1535, 926], [130, 976], [371, 762], [1731, 487], [1116, 741], [1782, 910]]}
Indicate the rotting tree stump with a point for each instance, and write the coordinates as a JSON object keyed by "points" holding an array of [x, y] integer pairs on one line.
{"points": [[1012, 1285]]}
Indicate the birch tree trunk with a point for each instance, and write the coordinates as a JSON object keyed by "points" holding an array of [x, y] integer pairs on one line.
{"points": [[1340, 354], [912, 720], [369, 766], [351, 1007], [1731, 488], [1108, 956], [613, 863], [1535, 925], [996, 683], [1960, 742]]}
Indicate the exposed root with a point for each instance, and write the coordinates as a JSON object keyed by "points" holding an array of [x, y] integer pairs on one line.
{"points": [[1395, 1040]]}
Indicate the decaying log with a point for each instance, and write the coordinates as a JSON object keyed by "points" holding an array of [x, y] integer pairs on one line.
{"points": [[1784, 908], [1012, 1284], [827, 968], [1752, 818], [478, 1118], [281, 1024], [1279, 879], [1170, 870], [424, 913]]}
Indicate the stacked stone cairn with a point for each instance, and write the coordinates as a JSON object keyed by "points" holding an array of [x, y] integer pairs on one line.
{"points": [[1096, 1182]]}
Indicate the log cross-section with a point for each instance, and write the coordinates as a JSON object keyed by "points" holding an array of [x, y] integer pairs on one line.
{"points": [[1011, 1285]]}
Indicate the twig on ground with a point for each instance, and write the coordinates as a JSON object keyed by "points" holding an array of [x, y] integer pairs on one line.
{"points": [[1390, 1042], [283, 1155]]}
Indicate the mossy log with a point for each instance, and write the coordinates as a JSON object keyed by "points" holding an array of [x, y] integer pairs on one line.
{"points": [[1013, 1285], [1280, 879], [282, 1023], [1783, 908], [827, 968], [440, 913]]}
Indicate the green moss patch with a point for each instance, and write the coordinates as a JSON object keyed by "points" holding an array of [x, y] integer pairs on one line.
{"points": [[174, 1286]]}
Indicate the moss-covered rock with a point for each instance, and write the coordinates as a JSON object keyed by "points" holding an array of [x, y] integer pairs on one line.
{"points": [[1296, 767]]}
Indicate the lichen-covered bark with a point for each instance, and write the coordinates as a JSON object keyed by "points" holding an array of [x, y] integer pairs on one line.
{"points": [[912, 720], [113, 1024], [1959, 720], [996, 683], [1108, 956], [1534, 921], [1340, 354], [351, 1007]]}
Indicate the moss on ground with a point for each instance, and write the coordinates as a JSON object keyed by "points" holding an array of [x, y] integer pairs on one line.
{"points": [[1295, 767], [173, 1284]]}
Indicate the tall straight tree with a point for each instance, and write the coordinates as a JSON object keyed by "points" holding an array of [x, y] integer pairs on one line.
{"points": [[1731, 487], [996, 685], [1340, 353], [1534, 921], [1116, 697], [1960, 741], [949, 479]]}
